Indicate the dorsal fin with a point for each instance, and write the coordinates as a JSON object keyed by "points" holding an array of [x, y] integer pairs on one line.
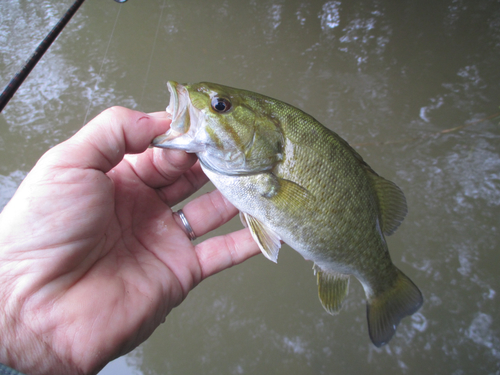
{"points": [[392, 203]]}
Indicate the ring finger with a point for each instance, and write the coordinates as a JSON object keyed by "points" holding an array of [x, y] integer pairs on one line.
{"points": [[206, 213]]}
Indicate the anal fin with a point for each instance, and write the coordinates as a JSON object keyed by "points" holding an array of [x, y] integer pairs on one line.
{"points": [[269, 241], [332, 289]]}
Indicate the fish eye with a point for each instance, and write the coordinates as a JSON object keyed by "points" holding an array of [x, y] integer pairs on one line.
{"points": [[221, 105]]}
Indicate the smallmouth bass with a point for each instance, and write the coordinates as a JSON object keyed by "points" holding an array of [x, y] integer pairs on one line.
{"points": [[296, 181]]}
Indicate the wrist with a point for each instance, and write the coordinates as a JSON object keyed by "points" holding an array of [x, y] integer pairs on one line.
{"points": [[22, 347], [25, 351]]}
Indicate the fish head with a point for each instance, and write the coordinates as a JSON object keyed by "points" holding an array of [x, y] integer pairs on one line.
{"points": [[232, 131]]}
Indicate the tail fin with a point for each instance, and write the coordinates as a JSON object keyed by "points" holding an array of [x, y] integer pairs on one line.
{"points": [[386, 310]]}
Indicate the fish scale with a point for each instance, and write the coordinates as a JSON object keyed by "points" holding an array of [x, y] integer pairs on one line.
{"points": [[296, 181]]}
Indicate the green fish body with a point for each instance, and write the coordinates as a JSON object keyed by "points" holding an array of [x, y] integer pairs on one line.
{"points": [[296, 181]]}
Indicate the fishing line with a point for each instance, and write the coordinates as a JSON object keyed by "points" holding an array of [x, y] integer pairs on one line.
{"points": [[152, 52], [428, 135], [102, 63]]}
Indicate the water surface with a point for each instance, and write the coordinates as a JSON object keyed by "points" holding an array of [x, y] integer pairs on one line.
{"points": [[392, 78]]}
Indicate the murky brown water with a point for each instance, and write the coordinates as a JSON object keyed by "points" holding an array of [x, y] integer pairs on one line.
{"points": [[374, 71]]}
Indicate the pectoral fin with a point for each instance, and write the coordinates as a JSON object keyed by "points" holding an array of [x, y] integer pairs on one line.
{"points": [[269, 242], [332, 289], [282, 192], [291, 193]]}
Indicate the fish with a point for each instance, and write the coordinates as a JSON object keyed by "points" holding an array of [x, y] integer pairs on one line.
{"points": [[298, 182]]}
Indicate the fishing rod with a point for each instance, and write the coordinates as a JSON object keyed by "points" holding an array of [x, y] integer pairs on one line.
{"points": [[20, 76]]}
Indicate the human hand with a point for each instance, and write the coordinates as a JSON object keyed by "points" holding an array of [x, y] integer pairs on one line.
{"points": [[92, 258]]}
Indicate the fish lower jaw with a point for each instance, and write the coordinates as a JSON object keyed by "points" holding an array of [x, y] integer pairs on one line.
{"points": [[165, 140]]}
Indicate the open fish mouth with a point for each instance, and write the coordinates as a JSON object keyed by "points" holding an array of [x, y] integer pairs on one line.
{"points": [[184, 121], [179, 109]]}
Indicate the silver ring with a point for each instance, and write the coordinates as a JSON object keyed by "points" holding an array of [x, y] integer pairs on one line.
{"points": [[187, 226]]}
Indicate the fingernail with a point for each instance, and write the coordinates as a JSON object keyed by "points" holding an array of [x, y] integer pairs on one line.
{"points": [[160, 115]]}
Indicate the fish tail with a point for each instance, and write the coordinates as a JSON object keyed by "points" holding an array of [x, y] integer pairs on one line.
{"points": [[386, 309]]}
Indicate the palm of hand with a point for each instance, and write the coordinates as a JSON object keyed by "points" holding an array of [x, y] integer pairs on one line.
{"points": [[104, 259]]}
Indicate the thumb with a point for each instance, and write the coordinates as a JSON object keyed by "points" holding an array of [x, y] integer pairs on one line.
{"points": [[102, 143]]}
